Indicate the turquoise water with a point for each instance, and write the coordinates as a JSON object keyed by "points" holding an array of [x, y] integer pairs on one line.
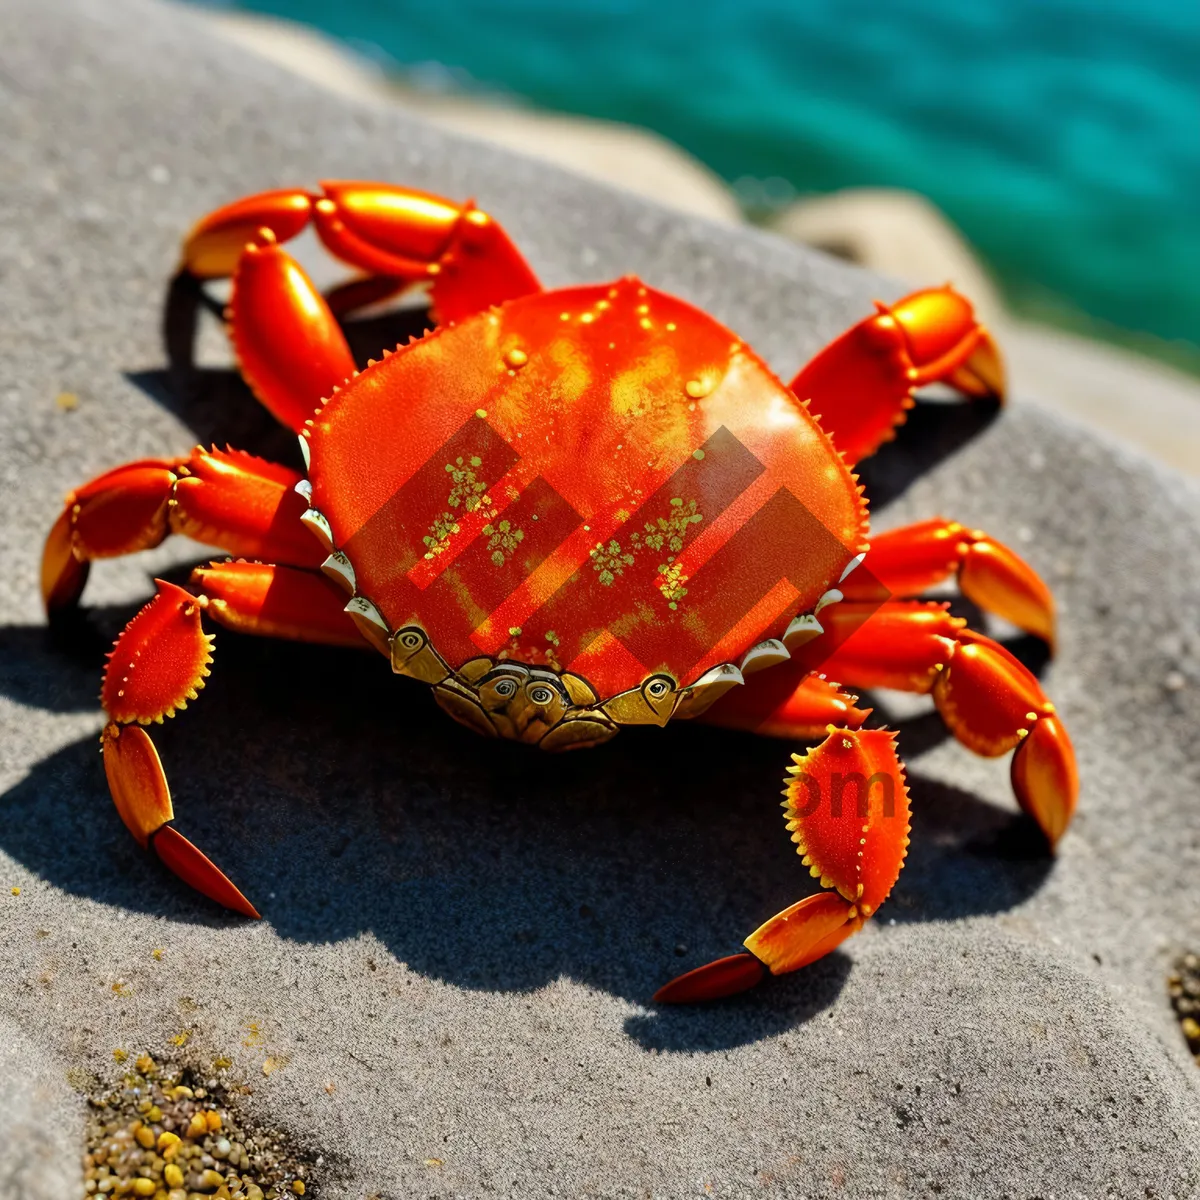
{"points": [[1062, 136]]}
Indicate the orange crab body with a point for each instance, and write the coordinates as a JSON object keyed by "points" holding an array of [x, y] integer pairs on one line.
{"points": [[601, 481], [568, 511]]}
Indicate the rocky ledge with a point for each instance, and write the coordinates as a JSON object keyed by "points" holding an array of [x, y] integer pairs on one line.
{"points": [[449, 992]]}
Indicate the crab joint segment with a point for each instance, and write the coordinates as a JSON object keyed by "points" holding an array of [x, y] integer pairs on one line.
{"points": [[1045, 778], [714, 981], [161, 660], [398, 235], [282, 602], [989, 700], [847, 807], [914, 558], [223, 497], [860, 386]]}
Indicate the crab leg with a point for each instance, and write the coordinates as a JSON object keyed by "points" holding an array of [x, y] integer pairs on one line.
{"points": [[226, 498], [788, 701], [289, 346], [276, 601], [398, 234], [910, 560], [160, 662], [861, 385], [989, 700], [847, 807]]}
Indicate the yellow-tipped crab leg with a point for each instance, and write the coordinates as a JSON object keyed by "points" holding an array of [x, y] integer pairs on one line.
{"points": [[846, 805], [160, 663]]}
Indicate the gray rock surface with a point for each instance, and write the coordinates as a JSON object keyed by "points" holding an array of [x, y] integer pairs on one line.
{"points": [[40, 1119], [460, 941]]}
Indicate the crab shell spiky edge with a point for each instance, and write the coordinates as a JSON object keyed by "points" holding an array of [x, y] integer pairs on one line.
{"points": [[180, 701]]}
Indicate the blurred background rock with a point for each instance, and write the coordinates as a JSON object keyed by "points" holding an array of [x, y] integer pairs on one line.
{"points": [[1044, 151]]}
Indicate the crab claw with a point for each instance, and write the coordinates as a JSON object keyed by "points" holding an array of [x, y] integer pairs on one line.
{"points": [[847, 807], [860, 386], [947, 345]]}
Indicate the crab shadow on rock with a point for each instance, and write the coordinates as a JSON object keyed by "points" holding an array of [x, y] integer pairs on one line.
{"points": [[344, 802]]}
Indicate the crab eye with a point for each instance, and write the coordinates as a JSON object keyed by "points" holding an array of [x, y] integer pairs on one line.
{"points": [[410, 641], [541, 694], [657, 688], [505, 687]]}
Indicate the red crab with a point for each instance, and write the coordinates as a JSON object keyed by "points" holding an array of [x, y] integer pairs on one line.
{"points": [[568, 511]]}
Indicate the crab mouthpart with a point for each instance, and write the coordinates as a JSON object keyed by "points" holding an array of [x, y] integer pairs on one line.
{"points": [[523, 703]]}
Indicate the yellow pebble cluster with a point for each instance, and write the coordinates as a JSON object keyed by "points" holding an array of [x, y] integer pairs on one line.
{"points": [[1183, 986], [158, 1137]]}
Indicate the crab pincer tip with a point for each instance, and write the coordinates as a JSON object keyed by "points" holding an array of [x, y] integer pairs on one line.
{"points": [[197, 870], [714, 981]]}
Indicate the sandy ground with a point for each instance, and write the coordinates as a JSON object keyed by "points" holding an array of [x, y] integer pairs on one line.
{"points": [[459, 943]]}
